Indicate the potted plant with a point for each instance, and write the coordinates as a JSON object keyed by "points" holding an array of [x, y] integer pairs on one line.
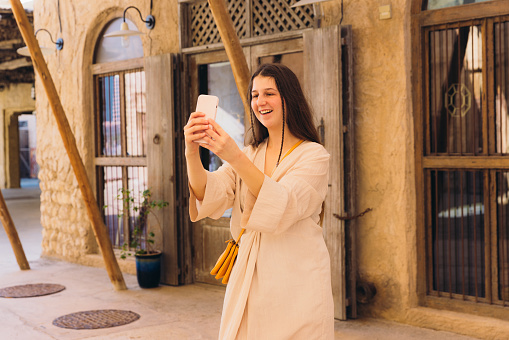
{"points": [[141, 241]]}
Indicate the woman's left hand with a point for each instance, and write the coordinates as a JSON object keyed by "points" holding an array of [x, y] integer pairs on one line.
{"points": [[221, 143]]}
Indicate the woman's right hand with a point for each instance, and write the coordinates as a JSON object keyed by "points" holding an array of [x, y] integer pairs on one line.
{"points": [[194, 130]]}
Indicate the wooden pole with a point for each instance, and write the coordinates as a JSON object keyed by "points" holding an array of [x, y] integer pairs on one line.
{"points": [[233, 49], [10, 229], [67, 135]]}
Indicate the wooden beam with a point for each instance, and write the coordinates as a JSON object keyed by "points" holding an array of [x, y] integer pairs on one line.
{"points": [[468, 162], [12, 234], [233, 49], [115, 66], [15, 64], [94, 214], [468, 12]]}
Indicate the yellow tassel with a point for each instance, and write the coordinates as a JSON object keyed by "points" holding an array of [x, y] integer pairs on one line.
{"points": [[222, 258], [230, 266], [226, 263]]}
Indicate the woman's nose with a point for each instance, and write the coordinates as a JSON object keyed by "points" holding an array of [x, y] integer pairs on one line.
{"points": [[260, 101]]}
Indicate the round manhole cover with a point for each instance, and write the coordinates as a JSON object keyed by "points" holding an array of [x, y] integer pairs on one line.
{"points": [[94, 319], [30, 290]]}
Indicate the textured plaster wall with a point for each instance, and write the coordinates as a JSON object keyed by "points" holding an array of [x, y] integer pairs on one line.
{"points": [[14, 98], [384, 150], [67, 232]]}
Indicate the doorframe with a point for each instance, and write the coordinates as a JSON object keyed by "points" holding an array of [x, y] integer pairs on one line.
{"points": [[188, 89], [290, 42], [11, 146]]}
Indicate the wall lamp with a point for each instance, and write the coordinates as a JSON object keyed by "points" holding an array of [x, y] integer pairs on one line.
{"points": [[125, 32], [59, 44]]}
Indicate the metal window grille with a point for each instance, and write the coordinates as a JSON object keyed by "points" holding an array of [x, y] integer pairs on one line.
{"points": [[122, 114], [457, 233], [121, 147], [502, 204], [501, 42], [467, 181], [456, 86], [501, 133], [121, 223]]}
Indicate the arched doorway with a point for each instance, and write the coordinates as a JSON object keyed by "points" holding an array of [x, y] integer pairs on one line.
{"points": [[132, 120], [120, 127]]}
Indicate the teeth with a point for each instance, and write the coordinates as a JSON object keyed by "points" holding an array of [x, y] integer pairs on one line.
{"points": [[265, 111]]}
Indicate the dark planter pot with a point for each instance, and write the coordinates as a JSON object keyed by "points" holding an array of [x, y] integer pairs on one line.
{"points": [[148, 270]]}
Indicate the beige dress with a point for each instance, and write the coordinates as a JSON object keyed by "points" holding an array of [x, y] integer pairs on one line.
{"points": [[280, 286]]}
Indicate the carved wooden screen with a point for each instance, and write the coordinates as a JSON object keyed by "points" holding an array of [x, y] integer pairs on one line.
{"points": [[251, 18]]}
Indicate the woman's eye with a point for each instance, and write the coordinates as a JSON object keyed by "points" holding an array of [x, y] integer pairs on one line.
{"points": [[255, 96]]}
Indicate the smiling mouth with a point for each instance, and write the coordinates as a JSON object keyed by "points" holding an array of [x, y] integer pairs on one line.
{"points": [[264, 112]]}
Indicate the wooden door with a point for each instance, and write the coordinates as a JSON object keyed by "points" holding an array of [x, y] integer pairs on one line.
{"points": [[209, 235], [316, 60], [322, 74], [135, 149], [159, 73]]}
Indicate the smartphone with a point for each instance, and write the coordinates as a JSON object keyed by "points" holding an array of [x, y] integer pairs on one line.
{"points": [[208, 105]]}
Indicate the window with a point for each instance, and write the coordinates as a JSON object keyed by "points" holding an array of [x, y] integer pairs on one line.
{"points": [[120, 145], [120, 129], [463, 156]]}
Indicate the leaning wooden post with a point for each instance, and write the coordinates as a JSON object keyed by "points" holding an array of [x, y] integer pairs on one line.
{"points": [[233, 49], [10, 229], [94, 213]]}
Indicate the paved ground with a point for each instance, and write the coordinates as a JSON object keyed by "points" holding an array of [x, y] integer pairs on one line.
{"points": [[187, 312]]}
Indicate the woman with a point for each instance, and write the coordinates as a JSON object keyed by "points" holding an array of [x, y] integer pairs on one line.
{"points": [[280, 286]]}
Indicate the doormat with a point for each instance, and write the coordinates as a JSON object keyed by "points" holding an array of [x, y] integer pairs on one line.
{"points": [[94, 319], [30, 290]]}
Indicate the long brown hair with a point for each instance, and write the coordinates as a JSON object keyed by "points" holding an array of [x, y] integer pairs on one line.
{"points": [[297, 113]]}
